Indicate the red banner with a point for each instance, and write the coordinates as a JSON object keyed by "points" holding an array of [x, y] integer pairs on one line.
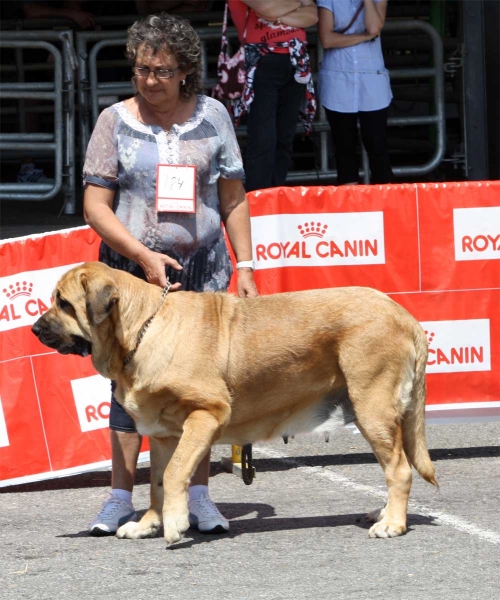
{"points": [[434, 248]]}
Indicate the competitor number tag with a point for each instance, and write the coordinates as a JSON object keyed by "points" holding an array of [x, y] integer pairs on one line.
{"points": [[176, 188]]}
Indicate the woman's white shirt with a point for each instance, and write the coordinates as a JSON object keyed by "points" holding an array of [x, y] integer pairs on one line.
{"points": [[353, 79]]}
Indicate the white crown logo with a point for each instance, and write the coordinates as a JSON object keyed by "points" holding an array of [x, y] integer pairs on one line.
{"points": [[20, 288], [312, 229], [430, 336]]}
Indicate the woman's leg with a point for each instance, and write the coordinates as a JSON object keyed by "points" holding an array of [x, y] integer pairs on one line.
{"points": [[125, 449], [343, 127], [118, 509], [290, 99], [373, 126], [271, 74], [202, 472]]}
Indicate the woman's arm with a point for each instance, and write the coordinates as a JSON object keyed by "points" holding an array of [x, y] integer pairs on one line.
{"points": [[294, 13], [304, 16], [236, 218], [98, 213], [375, 16], [331, 39]]}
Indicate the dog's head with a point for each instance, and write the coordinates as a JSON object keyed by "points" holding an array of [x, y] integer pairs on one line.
{"points": [[83, 299]]}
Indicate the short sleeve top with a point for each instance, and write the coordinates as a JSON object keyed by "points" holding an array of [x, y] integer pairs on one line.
{"points": [[123, 154], [353, 79]]}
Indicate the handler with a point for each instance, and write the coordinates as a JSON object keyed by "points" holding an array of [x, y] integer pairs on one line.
{"points": [[162, 170]]}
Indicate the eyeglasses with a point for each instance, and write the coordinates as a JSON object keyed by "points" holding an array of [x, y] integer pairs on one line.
{"points": [[159, 73]]}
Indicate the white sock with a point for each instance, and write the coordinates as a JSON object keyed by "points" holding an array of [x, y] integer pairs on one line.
{"points": [[195, 491], [124, 495]]}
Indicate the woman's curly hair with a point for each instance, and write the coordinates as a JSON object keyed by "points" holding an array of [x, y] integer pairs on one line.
{"points": [[175, 36]]}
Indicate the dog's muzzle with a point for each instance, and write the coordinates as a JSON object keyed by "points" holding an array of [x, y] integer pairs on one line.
{"points": [[64, 344]]}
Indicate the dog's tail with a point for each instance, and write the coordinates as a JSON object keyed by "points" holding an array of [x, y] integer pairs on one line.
{"points": [[414, 440]]}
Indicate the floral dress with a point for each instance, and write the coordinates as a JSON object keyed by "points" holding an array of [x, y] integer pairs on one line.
{"points": [[123, 154]]}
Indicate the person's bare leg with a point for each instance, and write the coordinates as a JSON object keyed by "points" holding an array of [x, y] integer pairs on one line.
{"points": [[202, 472], [118, 507], [125, 449]]}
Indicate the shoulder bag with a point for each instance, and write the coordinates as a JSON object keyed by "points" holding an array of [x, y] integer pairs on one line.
{"points": [[231, 73]]}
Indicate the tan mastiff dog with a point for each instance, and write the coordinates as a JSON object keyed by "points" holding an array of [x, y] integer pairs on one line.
{"points": [[211, 368]]}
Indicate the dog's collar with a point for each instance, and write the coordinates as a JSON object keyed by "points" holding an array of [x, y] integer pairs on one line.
{"points": [[130, 355]]}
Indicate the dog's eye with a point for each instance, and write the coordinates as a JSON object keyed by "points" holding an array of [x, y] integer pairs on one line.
{"points": [[63, 304]]}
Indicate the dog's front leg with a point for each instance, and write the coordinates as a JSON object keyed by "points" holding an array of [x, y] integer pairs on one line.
{"points": [[162, 450], [199, 431]]}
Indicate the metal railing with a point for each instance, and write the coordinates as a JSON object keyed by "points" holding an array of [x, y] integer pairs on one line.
{"points": [[91, 89], [60, 92]]}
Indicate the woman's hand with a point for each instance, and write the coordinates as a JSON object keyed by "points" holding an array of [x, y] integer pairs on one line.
{"points": [[153, 264], [300, 13], [98, 213], [246, 284]]}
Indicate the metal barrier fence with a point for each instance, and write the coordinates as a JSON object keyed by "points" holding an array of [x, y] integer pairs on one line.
{"points": [[91, 89], [60, 91]]}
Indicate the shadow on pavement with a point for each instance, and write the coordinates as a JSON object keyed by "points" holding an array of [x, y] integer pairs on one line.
{"points": [[262, 465], [261, 523]]}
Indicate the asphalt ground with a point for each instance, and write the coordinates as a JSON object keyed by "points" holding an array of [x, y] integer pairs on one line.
{"points": [[299, 531]]}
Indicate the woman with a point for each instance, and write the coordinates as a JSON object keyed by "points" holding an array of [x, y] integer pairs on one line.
{"points": [[166, 123], [279, 80], [354, 84]]}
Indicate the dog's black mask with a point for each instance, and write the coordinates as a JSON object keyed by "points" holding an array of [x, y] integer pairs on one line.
{"points": [[73, 344]]}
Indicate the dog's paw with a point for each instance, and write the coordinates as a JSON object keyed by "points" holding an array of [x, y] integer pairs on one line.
{"points": [[137, 531], [386, 530], [376, 515], [175, 526]]}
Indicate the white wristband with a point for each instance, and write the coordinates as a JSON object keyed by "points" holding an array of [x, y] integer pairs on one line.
{"points": [[245, 264]]}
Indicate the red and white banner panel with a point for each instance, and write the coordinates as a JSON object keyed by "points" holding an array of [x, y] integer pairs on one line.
{"points": [[434, 248]]}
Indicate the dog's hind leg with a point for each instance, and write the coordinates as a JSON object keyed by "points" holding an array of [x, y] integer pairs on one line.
{"points": [[162, 450], [380, 424]]}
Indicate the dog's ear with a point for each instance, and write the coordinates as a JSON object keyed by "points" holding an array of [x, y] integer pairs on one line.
{"points": [[100, 297]]}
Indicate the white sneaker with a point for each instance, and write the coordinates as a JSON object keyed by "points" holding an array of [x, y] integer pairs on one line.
{"points": [[113, 514], [205, 516]]}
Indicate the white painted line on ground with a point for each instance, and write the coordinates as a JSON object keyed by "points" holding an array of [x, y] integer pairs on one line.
{"points": [[440, 518]]}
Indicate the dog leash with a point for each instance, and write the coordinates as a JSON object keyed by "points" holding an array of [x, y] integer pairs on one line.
{"points": [[130, 355]]}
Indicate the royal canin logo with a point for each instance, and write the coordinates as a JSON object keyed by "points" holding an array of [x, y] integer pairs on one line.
{"points": [[312, 229], [20, 288], [458, 346], [318, 240], [92, 396], [26, 296], [477, 233]]}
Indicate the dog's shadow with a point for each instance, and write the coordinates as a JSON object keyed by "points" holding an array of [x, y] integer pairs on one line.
{"points": [[265, 521]]}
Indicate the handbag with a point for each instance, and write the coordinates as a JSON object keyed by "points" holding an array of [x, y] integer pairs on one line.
{"points": [[231, 73]]}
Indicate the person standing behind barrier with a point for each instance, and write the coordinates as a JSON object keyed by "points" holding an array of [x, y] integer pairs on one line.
{"points": [[353, 84], [168, 122], [279, 81]]}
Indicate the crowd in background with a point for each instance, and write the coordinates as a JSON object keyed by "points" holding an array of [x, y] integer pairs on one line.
{"points": [[280, 88]]}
